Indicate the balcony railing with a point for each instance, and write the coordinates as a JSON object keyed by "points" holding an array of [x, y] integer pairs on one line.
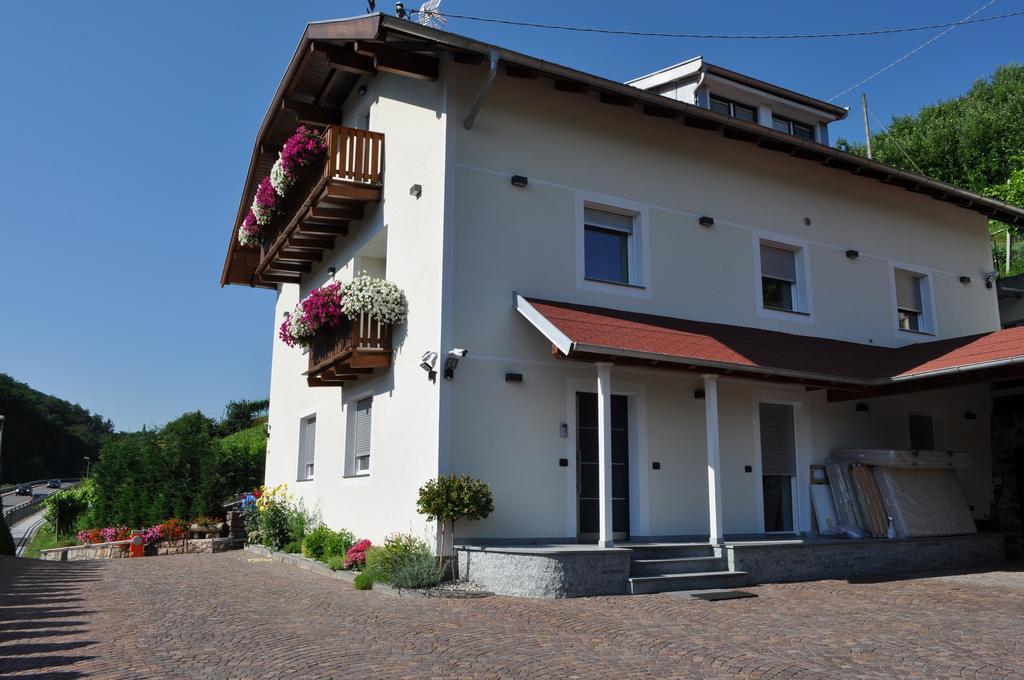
{"points": [[352, 348], [326, 196]]}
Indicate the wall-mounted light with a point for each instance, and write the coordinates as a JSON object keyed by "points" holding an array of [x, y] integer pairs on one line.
{"points": [[416, 190], [970, 415], [698, 394], [706, 221], [513, 377], [852, 254], [655, 465], [807, 221], [427, 363], [965, 280], [451, 362], [563, 462], [520, 180], [990, 279], [362, 90], [863, 408], [563, 430], [331, 271]]}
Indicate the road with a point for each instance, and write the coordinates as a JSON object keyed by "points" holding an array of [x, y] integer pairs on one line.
{"points": [[11, 499], [23, 531]]}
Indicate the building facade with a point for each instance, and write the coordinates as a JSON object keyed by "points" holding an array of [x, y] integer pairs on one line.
{"points": [[674, 298]]}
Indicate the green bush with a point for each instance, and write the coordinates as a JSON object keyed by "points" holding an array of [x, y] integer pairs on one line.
{"points": [[273, 526], [364, 581], [6, 540], [70, 509], [417, 571], [336, 562], [292, 547], [399, 550], [322, 543], [449, 498]]}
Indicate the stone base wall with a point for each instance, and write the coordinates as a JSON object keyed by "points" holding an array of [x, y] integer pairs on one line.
{"points": [[776, 563], [115, 552], [554, 574]]}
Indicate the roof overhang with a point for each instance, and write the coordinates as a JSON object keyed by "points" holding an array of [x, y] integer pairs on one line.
{"points": [[307, 71], [597, 334]]}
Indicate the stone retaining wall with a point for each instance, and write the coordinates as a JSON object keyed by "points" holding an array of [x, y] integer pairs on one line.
{"points": [[107, 551], [539, 573], [778, 562]]}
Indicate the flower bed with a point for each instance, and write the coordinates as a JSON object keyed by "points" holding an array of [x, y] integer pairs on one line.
{"points": [[325, 307], [171, 530], [300, 150]]}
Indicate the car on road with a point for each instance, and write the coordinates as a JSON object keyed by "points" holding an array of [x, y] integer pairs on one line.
{"points": [[23, 490], [53, 484]]}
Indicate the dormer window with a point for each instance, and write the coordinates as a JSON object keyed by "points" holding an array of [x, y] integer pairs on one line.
{"points": [[791, 127], [731, 108]]}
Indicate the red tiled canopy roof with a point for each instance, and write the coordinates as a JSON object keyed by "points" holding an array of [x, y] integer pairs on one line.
{"points": [[581, 330]]}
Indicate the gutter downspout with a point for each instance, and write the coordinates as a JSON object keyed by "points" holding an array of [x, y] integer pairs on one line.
{"points": [[475, 109]]}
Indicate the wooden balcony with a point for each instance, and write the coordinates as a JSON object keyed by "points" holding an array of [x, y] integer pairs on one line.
{"points": [[325, 198], [342, 353]]}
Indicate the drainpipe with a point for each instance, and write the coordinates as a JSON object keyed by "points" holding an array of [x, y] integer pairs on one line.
{"points": [[475, 109]]}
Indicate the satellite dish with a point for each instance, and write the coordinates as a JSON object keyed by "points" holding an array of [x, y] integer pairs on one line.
{"points": [[430, 16]]}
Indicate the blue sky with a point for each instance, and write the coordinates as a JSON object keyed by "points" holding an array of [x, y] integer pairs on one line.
{"points": [[128, 128]]}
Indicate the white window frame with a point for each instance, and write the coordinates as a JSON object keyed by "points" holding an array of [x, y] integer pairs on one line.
{"points": [[928, 325], [350, 438], [639, 252], [802, 311], [303, 428]]}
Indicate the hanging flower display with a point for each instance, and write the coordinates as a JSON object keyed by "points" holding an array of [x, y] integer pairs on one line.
{"points": [[301, 149], [377, 298], [324, 307], [250, 233]]}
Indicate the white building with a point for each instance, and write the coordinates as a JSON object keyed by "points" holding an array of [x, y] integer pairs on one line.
{"points": [[675, 297]]}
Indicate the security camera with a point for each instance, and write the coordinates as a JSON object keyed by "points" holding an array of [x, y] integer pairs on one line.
{"points": [[452, 362], [428, 361]]}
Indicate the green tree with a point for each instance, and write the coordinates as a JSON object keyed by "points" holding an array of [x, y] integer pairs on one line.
{"points": [[449, 498], [241, 415], [6, 540], [969, 141], [1011, 191]]}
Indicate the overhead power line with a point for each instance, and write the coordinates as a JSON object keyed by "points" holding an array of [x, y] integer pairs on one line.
{"points": [[966, 20], [726, 36]]}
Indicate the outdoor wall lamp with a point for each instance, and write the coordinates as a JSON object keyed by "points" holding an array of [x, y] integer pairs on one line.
{"points": [[416, 190], [965, 280], [427, 363], [706, 221], [362, 90], [863, 408], [852, 254], [331, 271], [520, 180], [990, 278], [513, 377], [452, 362]]}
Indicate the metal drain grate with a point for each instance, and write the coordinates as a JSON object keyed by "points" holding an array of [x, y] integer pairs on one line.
{"points": [[715, 595]]}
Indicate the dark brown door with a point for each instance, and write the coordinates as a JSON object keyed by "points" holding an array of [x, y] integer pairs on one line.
{"points": [[587, 487]]}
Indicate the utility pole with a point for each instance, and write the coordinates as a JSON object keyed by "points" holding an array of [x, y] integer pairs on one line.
{"points": [[867, 128], [1, 446]]}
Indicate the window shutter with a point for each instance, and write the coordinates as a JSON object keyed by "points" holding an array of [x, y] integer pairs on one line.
{"points": [[307, 437], [361, 439], [605, 219], [908, 291], [778, 263], [778, 440]]}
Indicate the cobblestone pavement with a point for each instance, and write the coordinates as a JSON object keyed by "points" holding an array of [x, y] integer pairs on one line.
{"points": [[238, 615]]}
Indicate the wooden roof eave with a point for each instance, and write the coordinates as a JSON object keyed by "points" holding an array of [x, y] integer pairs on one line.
{"points": [[360, 28]]}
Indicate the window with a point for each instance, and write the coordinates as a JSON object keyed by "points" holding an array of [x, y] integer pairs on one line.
{"points": [[608, 245], [778, 465], [731, 108], [791, 127], [361, 437], [922, 432], [778, 278], [910, 298], [307, 448]]}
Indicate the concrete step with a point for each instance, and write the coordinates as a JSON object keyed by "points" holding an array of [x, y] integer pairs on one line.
{"points": [[708, 580], [654, 551], [677, 565]]}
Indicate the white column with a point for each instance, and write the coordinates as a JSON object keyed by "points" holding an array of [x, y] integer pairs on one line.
{"points": [[604, 452], [714, 459]]}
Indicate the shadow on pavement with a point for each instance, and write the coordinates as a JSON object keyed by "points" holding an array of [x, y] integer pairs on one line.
{"points": [[41, 619]]}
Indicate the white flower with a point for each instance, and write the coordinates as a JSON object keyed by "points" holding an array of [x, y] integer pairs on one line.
{"points": [[246, 239], [377, 298], [279, 179]]}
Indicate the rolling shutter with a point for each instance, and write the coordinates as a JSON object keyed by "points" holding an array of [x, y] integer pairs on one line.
{"points": [[605, 219], [778, 440], [908, 291], [307, 442], [778, 263], [361, 439]]}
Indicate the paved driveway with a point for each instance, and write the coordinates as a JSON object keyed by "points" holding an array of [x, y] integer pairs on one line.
{"points": [[237, 615]]}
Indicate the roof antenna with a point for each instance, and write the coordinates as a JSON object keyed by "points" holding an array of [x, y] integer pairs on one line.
{"points": [[400, 10], [430, 16]]}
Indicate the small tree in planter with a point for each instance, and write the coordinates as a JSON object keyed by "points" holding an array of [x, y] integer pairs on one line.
{"points": [[449, 498]]}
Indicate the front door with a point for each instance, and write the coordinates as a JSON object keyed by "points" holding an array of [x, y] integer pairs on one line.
{"points": [[587, 487], [778, 465]]}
